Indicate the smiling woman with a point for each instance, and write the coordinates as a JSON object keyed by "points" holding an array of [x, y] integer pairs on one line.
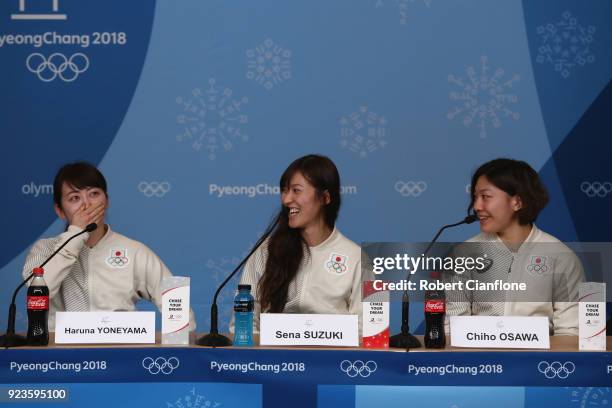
{"points": [[507, 196], [307, 265]]}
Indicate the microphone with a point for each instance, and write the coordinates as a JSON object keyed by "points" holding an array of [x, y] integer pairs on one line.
{"points": [[467, 220], [404, 339], [214, 339], [470, 218], [91, 227], [10, 339]]}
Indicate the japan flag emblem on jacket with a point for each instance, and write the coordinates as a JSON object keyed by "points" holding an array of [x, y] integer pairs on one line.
{"points": [[337, 264], [118, 258]]}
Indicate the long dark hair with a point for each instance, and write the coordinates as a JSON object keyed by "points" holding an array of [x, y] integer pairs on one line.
{"points": [[286, 247]]}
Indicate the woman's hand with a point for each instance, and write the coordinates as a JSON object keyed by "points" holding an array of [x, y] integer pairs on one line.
{"points": [[86, 215]]}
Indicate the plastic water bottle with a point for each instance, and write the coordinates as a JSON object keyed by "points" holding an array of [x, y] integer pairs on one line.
{"points": [[38, 310], [244, 305]]}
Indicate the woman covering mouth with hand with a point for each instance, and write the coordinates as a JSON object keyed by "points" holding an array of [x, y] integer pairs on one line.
{"points": [[507, 196], [100, 270], [306, 265]]}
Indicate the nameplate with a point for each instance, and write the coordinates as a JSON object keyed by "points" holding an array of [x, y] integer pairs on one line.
{"points": [[523, 332], [104, 327], [286, 329]]}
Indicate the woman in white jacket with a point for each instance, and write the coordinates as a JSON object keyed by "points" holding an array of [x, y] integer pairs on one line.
{"points": [[100, 270], [306, 265], [507, 196]]}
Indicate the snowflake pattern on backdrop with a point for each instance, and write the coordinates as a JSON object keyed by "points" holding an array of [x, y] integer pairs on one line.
{"points": [[192, 400], [363, 132], [218, 270], [212, 119], [403, 6], [268, 64], [565, 44], [483, 98]]}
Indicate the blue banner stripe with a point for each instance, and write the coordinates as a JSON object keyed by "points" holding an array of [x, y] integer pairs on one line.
{"points": [[301, 368]]}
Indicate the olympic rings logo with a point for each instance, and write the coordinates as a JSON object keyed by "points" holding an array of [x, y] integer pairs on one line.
{"points": [[556, 369], [57, 65], [596, 189], [154, 188], [118, 261], [337, 266], [410, 188], [118, 258], [160, 365], [537, 268], [336, 263], [358, 368], [538, 265]]}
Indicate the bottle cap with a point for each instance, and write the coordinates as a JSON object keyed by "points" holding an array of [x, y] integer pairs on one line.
{"points": [[38, 271], [244, 287], [435, 274]]}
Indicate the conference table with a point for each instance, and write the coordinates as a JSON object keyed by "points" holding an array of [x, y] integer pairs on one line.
{"points": [[193, 376]]}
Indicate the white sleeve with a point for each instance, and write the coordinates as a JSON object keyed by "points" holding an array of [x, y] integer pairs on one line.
{"points": [[59, 267]]}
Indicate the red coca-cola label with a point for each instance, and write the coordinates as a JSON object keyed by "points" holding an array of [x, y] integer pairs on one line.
{"points": [[38, 302], [435, 306]]}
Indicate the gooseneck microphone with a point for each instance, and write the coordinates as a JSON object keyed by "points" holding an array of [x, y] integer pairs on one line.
{"points": [[404, 339], [467, 220], [10, 339], [214, 339]]}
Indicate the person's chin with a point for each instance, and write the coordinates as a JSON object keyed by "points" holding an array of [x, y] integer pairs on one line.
{"points": [[487, 227], [294, 224]]}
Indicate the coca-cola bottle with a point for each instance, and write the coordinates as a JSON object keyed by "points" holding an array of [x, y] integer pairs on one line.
{"points": [[38, 310], [435, 309]]}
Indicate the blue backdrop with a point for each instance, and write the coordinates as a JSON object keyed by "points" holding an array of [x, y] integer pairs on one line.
{"points": [[193, 109]]}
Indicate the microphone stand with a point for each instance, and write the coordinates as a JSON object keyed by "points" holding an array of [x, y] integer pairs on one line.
{"points": [[10, 339], [404, 339], [214, 339]]}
